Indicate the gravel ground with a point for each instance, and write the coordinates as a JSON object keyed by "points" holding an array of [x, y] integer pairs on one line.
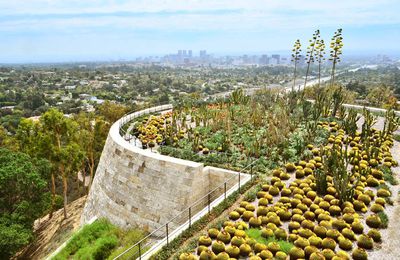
{"points": [[390, 248]]}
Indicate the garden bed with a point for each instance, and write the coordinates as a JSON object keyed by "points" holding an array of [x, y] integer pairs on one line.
{"points": [[344, 221]]}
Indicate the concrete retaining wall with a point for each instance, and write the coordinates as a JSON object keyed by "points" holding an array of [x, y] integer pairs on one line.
{"points": [[136, 187]]}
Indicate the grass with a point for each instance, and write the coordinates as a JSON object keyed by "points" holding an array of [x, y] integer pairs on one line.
{"points": [[384, 218], [255, 233], [388, 176], [99, 240]]}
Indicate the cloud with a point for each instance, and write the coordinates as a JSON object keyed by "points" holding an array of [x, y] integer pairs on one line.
{"points": [[53, 15], [218, 24]]}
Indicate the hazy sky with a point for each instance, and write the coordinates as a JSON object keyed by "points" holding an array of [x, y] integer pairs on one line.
{"points": [[68, 30]]}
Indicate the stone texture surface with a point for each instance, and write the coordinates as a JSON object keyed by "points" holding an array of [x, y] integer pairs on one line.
{"points": [[135, 187]]}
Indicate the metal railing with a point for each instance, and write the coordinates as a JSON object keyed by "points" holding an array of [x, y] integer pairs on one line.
{"points": [[187, 216]]}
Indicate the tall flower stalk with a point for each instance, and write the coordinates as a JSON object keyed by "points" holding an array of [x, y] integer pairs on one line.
{"points": [[319, 56], [295, 58], [335, 53], [310, 53]]}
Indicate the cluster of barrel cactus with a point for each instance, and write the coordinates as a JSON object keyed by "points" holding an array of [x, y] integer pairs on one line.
{"points": [[339, 221]]}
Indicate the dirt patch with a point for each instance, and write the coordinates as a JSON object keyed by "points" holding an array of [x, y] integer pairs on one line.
{"points": [[52, 233]]}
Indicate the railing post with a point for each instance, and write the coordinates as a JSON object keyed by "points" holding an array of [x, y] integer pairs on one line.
{"points": [[224, 190], [239, 181], [190, 217], [166, 227], [140, 252], [251, 171], [209, 201]]}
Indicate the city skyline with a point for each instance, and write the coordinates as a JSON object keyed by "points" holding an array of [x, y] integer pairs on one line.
{"points": [[63, 31]]}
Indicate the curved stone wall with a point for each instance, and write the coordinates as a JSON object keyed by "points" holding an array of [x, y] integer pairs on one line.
{"points": [[136, 187]]}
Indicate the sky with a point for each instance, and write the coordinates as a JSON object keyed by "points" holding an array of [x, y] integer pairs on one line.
{"points": [[95, 30]]}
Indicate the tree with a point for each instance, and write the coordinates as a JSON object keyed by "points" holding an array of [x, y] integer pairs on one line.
{"points": [[93, 132], [382, 96], [112, 111], [23, 198], [61, 143]]}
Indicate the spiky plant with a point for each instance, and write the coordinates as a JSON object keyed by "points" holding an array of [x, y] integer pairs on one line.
{"points": [[320, 57], [296, 54], [336, 51], [392, 123], [310, 56], [349, 123]]}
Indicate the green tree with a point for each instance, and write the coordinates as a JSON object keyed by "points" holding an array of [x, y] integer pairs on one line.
{"points": [[93, 132], [23, 198], [112, 111], [381, 96], [61, 143]]}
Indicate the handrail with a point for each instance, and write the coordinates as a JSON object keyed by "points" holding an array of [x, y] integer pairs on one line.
{"points": [[196, 203]]}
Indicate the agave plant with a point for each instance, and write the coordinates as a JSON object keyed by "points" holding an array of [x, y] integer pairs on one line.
{"points": [[310, 57]]}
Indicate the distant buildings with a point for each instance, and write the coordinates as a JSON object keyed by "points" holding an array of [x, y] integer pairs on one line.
{"points": [[186, 58]]}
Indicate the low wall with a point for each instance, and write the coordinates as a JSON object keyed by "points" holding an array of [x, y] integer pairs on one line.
{"points": [[136, 187]]}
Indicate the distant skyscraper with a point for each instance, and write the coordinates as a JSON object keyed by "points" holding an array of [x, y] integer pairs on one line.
{"points": [[180, 52], [203, 53], [190, 53], [264, 60], [184, 53], [277, 57]]}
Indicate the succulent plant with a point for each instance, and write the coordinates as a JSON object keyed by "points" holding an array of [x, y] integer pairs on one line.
{"points": [[207, 255], [266, 254], [328, 243], [296, 253], [375, 235], [320, 231], [365, 241], [233, 251], [224, 237], [205, 241], [245, 249], [317, 256], [308, 250], [266, 232], [187, 256], [349, 234], [247, 215], [301, 242], [345, 244], [273, 247], [258, 247], [280, 255], [234, 215], [383, 193], [357, 227], [223, 256], [359, 254], [328, 253], [374, 221], [218, 247], [280, 234]]}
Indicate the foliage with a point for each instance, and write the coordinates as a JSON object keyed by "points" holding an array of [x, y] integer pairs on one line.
{"points": [[99, 240], [384, 219], [167, 251], [255, 233], [336, 163], [388, 175], [111, 111], [22, 198]]}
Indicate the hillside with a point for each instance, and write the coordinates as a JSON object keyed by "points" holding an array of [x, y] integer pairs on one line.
{"points": [[52, 233]]}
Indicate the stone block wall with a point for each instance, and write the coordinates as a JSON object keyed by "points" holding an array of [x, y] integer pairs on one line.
{"points": [[136, 187]]}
